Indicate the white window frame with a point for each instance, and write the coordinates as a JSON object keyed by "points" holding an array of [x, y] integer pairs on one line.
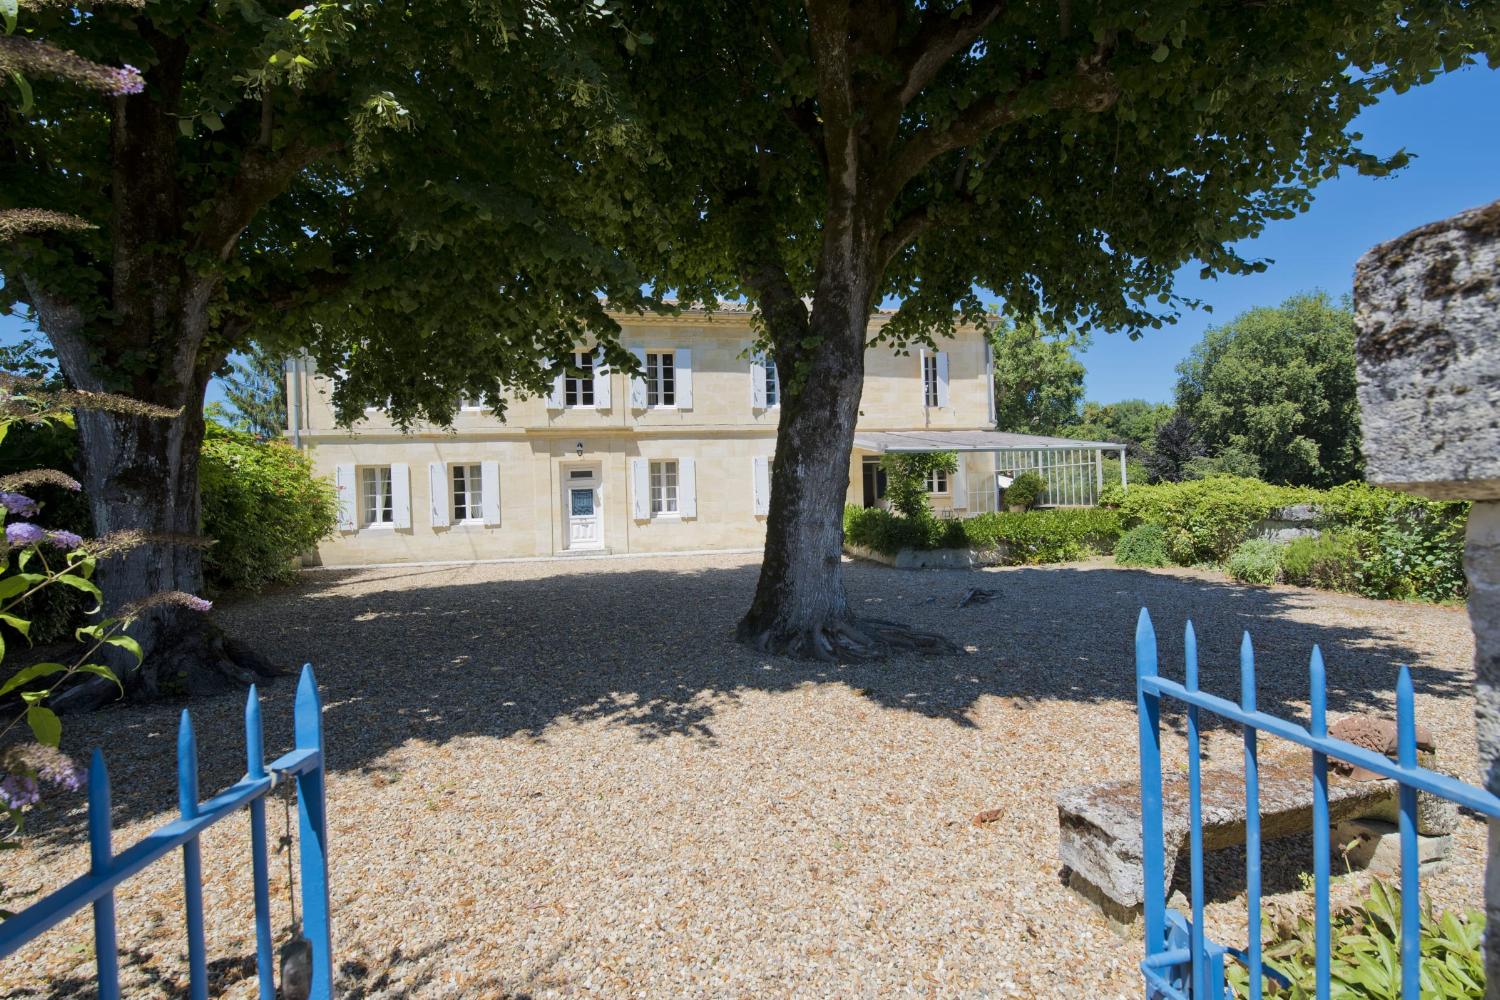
{"points": [[466, 480], [576, 388], [773, 382], [938, 483], [661, 379], [373, 513], [665, 480]]}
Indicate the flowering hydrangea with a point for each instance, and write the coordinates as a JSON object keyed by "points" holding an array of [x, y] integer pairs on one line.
{"points": [[24, 533], [18, 504]]}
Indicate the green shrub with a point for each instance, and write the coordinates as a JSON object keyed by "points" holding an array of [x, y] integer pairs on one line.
{"points": [[1409, 547], [262, 507], [1044, 536], [1203, 520], [1365, 960], [1025, 490], [1040, 536], [1329, 561], [906, 479], [1256, 560], [1143, 545]]}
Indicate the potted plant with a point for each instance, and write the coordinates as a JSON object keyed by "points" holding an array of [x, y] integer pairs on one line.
{"points": [[1024, 491]]}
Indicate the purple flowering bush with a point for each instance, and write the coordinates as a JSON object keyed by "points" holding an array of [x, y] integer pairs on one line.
{"points": [[35, 559]]}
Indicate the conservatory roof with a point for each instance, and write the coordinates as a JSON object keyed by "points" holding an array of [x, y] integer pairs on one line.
{"points": [[882, 442]]}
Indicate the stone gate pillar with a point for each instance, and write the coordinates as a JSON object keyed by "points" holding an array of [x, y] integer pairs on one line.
{"points": [[1427, 315]]}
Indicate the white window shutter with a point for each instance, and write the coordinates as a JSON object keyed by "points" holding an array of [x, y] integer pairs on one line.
{"points": [[757, 383], [958, 485], [348, 496], [682, 366], [400, 495], [489, 492], [762, 474], [687, 487], [601, 382], [942, 378], [638, 383], [640, 489], [555, 394], [437, 485]]}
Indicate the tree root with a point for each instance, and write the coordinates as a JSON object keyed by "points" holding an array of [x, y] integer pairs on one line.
{"points": [[190, 658], [849, 640]]}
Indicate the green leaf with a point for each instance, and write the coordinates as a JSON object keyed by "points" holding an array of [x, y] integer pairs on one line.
{"points": [[18, 623], [87, 586], [24, 86], [212, 121], [1160, 54], [31, 673], [100, 670], [9, 9], [126, 642], [44, 724], [185, 126], [19, 584]]}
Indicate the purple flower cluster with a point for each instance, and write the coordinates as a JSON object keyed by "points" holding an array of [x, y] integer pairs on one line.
{"points": [[18, 792], [127, 80], [17, 504], [25, 533], [58, 769]]}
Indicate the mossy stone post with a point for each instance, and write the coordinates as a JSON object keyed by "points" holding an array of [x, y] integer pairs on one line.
{"points": [[1427, 311]]}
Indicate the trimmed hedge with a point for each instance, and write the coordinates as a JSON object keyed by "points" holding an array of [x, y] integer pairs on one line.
{"points": [[1143, 545], [1030, 538], [1385, 544]]}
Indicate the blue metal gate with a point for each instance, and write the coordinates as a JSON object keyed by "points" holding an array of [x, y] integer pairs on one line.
{"points": [[107, 869], [1180, 963]]}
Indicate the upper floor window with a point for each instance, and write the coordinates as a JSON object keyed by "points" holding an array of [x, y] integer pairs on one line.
{"points": [[773, 383], [930, 378], [937, 481], [468, 493], [376, 502], [663, 488], [579, 390], [661, 379]]}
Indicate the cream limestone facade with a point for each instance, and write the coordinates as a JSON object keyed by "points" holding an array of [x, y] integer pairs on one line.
{"points": [[678, 461]]}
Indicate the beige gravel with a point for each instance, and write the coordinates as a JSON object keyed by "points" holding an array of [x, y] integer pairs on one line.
{"points": [[565, 779]]}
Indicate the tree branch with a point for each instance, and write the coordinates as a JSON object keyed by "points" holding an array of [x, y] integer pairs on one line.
{"points": [[262, 175], [1093, 89], [828, 34], [941, 37]]}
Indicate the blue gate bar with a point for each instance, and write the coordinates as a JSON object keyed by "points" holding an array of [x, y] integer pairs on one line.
{"points": [[1411, 927], [101, 854], [1180, 963], [192, 860], [108, 870], [1318, 720], [1419, 778], [1148, 708], [1199, 969], [312, 836], [255, 767], [1252, 817]]}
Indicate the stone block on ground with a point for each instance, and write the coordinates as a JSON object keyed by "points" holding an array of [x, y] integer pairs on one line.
{"points": [[1374, 845]]}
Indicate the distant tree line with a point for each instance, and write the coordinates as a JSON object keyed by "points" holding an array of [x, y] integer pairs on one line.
{"points": [[1270, 394]]}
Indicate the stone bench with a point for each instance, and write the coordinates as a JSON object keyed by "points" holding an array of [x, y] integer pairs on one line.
{"points": [[1099, 826]]}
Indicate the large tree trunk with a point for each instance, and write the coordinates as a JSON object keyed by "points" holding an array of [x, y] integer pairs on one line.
{"points": [[800, 605]]}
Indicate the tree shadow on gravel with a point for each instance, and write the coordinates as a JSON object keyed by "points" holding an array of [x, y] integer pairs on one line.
{"points": [[429, 657]]}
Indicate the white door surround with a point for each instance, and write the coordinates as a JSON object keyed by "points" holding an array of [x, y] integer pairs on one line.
{"points": [[583, 514]]}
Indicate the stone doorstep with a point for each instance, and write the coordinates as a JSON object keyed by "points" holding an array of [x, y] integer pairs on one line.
{"points": [[1099, 826]]}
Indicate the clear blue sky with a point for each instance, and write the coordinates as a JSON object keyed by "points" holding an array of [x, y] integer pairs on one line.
{"points": [[1452, 126]]}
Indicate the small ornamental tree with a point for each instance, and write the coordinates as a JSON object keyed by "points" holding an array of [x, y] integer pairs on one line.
{"points": [[906, 480], [822, 157]]}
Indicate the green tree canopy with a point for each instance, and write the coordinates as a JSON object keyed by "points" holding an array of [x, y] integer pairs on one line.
{"points": [[1277, 384], [256, 388], [819, 158], [1038, 377]]}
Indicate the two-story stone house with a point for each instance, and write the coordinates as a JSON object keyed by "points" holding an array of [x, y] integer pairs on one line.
{"points": [[677, 460]]}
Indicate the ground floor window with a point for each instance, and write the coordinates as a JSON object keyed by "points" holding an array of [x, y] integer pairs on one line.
{"points": [[663, 488], [937, 482], [376, 502], [468, 493]]}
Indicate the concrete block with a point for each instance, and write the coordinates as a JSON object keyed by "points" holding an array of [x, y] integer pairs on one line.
{"points": [[1374, 845]]}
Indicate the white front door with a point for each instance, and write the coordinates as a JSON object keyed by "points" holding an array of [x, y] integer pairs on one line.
{"points": [[585, 530]]}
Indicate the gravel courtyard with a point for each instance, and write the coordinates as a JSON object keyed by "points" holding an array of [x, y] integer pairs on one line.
{"points": [[565, 779]]}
